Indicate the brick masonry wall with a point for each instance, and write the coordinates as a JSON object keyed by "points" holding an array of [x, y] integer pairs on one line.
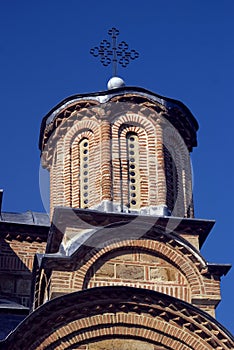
{"points": [[144, 264], [122, 126], [139, 270], [16, 262], [134, 270], [119, 328], [108, 163], [97, 318]]}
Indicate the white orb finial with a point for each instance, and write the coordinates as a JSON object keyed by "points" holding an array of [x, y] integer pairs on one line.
{"points": [[115, 82]]}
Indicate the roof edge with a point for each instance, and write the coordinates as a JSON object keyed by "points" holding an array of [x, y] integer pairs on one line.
{"points": [[166, 101]]}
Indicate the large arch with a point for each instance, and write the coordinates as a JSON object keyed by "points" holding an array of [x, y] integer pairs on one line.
{"points": [[181, 259], [98, 314], [139, 236]]}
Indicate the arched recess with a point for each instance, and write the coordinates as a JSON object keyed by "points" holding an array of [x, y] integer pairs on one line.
{"points": [[141, 268], [147, 138], [141, 154], [99, 314], [182, 258], [178, 173], [81, 129], [72, 171], [179, 261]]}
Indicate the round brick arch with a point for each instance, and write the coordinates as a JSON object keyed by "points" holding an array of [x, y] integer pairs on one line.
{"points": [[98, 314], [148, 139], [83, 128], [181, 260]]}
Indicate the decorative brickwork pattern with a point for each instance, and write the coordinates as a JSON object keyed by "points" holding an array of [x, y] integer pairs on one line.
{"points": [[65, 187], [102, 314], [127, 272], [106, 127], [139, 270], [121, 128], [191, 282]]}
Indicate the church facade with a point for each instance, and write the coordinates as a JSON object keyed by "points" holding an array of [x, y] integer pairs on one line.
{"points": [[118, 264]]}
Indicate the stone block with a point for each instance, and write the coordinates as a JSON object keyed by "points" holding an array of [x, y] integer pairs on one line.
{"points": [[106, 270], [130, 272], [120, 344], [125, 257], [159, 274], [149, 258]]}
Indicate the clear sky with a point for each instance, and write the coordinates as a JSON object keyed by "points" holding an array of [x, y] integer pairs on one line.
{"points": [[186, 53]]}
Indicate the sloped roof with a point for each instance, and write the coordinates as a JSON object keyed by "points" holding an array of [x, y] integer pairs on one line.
{"points": [[29, 218], [27, 226], [105, 96]]}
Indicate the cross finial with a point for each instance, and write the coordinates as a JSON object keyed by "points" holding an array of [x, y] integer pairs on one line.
{"points": [[111, 52]]}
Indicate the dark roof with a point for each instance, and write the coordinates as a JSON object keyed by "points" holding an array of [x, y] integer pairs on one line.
{"points": [[6, 304], [29, 218], [165, 101], [29, 226], [219, 269]]}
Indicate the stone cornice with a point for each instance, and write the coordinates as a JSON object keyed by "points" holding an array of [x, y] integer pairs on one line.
{"points": [[83, 219]]}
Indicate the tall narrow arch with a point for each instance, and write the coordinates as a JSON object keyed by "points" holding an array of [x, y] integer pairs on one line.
{"points": [[178, 174], [84, 172], [147, 139], [134, 177]]}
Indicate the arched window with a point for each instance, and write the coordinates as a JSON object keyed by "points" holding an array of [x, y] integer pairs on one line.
{"points": [[84, 172], [133, 171]]}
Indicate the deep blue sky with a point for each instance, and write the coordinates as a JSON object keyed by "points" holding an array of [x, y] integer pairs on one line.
{"points": [[186, 53]]}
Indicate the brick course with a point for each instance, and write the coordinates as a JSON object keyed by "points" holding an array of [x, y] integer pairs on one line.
{"points": [[108, 160], [85, 320], [145, 264], [16, 263]]}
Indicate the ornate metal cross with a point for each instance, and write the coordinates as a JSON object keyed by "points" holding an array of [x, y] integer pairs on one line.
{"points": [[112, 53]]}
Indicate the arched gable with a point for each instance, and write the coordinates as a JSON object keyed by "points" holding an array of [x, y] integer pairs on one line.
{"points": [[176, 259], [99, 314], [193, 281]]}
